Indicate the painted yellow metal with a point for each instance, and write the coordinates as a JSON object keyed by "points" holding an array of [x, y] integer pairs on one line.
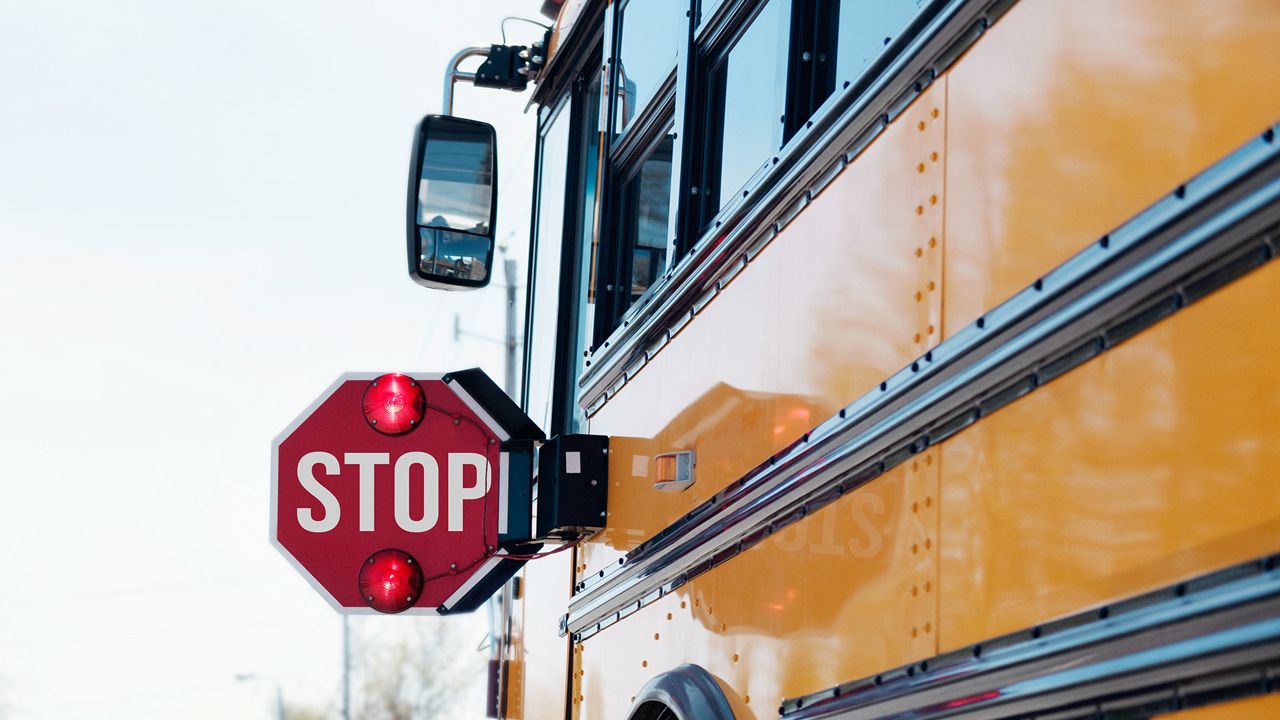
{"points": [[841, 594], [760, 364], [1150, 464], [1154, 462], [771, 624], [1266, 707], [1070, 117], [536, 685]]}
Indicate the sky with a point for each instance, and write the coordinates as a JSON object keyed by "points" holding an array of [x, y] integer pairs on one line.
{"points": [[201, 227]]}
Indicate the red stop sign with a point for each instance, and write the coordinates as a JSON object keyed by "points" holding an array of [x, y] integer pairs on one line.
{"points": [[431, 482]]}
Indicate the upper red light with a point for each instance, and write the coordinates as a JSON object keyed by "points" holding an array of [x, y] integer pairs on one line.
{"points": [[390, 581], [394, 403]]}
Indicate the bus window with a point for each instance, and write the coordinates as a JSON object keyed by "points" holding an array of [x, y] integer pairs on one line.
{"points": [[865, 28], [648, 207], [545, 299], [753, 95], [650, 36]]}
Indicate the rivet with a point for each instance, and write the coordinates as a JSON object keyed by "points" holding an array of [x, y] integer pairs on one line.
{"points": [[682, 606], [746, 699], [919, 252], [928, 543], [919, 209], [915, 591], [915, 549], [932, 286], [934, 113], [644, 663], [929, 329], [920, 168], [655, 636], [668, 616], [917, 337], [920, 127], [928, 501], [914, 632], [915, 507], [933, 242], [919, 296], [928, 586], [928, 627], [933, 199], [933, 157]]}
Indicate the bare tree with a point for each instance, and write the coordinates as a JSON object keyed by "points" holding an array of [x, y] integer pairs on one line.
{"points": [[419, 668]]}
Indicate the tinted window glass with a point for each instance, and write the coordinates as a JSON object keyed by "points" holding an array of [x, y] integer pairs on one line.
{"points": [[652, 33], [587, 246], [546, 273], [754, 78], [866, 27], [648, 195]]}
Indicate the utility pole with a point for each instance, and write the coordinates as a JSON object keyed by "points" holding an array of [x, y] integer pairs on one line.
{"points": [[346, 670], [511, 339], [509, 269]]}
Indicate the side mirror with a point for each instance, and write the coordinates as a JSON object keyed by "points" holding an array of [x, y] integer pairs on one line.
{"points": [[453, 203]]}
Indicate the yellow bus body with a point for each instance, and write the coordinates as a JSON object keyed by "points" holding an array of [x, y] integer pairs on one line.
{"points": [[1150, 464]]}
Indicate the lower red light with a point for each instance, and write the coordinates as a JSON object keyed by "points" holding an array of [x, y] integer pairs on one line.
{"points": [[390, 581], [394, 404]]}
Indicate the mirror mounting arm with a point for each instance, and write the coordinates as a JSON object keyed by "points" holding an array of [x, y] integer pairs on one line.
{"points": [[452, 74]]}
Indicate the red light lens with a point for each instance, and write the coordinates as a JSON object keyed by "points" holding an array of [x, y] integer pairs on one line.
{"points": [[390, 581], [394, 404]]}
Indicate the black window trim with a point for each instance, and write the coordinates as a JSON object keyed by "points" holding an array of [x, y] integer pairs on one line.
{"points": [[844, 124], [626, 152], [612, 300], [810, 84]]}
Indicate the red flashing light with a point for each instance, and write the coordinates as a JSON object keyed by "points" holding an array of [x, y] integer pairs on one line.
{"points": [[390, 581], [394, 404]]}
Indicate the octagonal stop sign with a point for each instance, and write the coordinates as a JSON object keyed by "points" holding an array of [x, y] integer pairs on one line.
{"points": [[405, 493]]}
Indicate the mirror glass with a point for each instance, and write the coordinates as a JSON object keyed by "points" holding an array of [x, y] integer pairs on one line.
{"points": [[452, 200]]}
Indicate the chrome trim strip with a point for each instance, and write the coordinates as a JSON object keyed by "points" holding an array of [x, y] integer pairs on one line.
{"points": [[1139, 653], [837, 133], [1206, 233]]}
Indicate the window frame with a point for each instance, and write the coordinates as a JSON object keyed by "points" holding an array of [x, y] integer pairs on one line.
{"points": [[626, 153], [563, 376], [806, 91]]}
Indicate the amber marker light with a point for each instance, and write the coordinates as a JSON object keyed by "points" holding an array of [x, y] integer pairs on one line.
{"points": [[394, 404], [390, 581]]}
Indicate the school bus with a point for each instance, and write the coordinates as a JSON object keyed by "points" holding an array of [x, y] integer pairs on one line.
{"points": [[935, 345]]}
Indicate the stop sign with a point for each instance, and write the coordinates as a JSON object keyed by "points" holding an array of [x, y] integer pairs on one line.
{"points": [[404, 493]]}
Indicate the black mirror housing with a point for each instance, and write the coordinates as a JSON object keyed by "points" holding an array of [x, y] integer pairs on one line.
{"points": [[452, 203]]}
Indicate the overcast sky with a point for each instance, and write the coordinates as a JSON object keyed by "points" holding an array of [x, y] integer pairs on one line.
{"points": [[201, 227]]}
